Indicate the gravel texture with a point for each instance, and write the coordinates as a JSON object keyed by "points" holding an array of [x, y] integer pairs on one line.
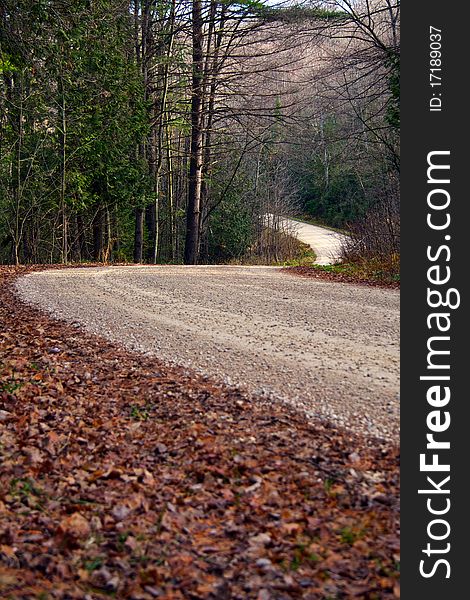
{"points": [[330, 349]]}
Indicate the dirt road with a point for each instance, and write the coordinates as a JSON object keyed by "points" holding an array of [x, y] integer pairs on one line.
{"points": [[330, 349], [326, 243]]}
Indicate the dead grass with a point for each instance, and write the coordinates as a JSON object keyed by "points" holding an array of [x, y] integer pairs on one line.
{"points": [[372, 271]]}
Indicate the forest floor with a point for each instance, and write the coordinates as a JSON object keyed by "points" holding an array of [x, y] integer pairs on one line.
{"points": [[124, 477], [366, 273]]}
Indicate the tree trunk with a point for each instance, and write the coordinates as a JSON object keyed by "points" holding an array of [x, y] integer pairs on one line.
{"points": [[171, 203], [75, 252], [81, 239], [139, 235], [150, 217], [196, 149], [17, 234], [98, 237], [64, 254], [108, 249]]}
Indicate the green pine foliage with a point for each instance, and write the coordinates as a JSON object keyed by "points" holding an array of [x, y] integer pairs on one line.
{"points": [[74, 113]]}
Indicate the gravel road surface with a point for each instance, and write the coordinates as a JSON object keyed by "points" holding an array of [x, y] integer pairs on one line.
{"points": [[330, 349]]}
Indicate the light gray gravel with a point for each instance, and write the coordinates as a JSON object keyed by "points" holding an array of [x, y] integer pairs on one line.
{"points": [[330, 349]]}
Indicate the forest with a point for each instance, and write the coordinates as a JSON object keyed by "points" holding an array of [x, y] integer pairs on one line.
{"points": [[163, 131]]}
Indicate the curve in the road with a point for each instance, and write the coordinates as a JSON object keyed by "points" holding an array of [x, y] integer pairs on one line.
{"points": [[324, 242], [329, 348]]}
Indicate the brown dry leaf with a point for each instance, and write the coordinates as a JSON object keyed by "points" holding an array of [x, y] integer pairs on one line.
{"points": [[8, 578], [75, 526], [290, 527], [8, 551]]}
